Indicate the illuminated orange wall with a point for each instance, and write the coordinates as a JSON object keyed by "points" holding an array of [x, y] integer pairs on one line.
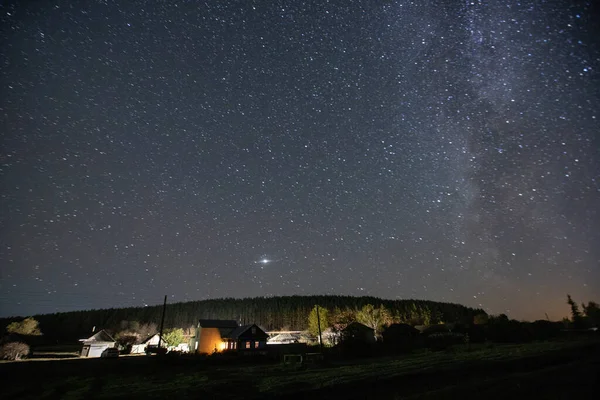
{"points": [[209, 339]]}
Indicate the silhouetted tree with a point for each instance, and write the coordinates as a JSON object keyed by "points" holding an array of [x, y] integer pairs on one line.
{"points": [[576, 318], [592, 314]]}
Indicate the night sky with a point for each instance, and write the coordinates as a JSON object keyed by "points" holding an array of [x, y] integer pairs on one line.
{"points": [[444, 150]]}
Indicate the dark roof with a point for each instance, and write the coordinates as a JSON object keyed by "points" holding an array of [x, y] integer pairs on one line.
{"points": [[240, 330], [225, 326], [218, 323], [357, 325], [400, 329]]}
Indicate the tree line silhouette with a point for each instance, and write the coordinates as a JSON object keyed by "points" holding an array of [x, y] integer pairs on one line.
{"points": [[272, 313]]}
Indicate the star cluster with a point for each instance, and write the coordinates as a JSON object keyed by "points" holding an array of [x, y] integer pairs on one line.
{"points": [[438, 150]]}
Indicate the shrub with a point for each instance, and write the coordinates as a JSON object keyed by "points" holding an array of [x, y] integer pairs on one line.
{"points": [[441, 341], [14, 351]]}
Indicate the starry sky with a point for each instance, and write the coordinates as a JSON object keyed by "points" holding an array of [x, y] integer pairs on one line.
{"points": [[443, 150]]}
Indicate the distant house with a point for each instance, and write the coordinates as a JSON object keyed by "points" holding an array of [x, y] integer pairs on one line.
{"points": [[356, 332], [96, 344], [399, 331], [399, 336], [437, 328], [331, 336], [150, 342], [283, 338], [211, 334]]}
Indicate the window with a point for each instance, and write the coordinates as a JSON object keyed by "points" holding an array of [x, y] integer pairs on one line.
{"points": [[254, 330], [247, 345], [256, 344]]}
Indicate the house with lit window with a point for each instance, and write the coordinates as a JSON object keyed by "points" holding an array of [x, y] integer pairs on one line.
{"points": [[214, 336], [248, 338]]}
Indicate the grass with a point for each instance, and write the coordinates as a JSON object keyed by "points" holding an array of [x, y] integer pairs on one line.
{"points": [[424, 373]]}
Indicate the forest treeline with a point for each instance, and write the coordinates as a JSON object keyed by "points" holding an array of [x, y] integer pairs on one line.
{"points": [[272, 313]]}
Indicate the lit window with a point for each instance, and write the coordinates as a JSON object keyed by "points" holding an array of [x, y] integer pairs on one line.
{"points": [[256, 344], [247, 345]]}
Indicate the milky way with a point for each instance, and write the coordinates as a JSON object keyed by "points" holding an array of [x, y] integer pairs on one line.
{"points": [[436, 150]]}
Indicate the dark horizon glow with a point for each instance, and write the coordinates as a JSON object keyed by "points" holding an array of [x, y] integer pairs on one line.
{"points": [[446, 151]]}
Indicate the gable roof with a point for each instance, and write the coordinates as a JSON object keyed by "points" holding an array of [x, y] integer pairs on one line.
{"points": [[101, 336], [150, 338], [242, 329]]}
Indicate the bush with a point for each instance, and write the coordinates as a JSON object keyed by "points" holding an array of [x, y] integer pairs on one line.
{"points": [[544, 330], [441, 341], [14, 351], [509, 331]]}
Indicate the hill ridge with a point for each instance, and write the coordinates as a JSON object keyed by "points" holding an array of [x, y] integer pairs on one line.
{"points": [[271, 312]]}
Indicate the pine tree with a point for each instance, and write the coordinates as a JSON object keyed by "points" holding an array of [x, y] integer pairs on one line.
{"points": [[575, 313]]}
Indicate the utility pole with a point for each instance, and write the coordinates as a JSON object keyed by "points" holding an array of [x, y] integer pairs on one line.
{"points": [[162, 324], [319, 325]]}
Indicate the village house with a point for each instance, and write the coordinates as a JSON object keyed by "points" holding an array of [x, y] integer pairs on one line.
{"points": [[354, 331], [96, 344], [358, 333], [248, 338], [399, 332], [213, 336], [148, 343], [331, 336], [400, 337], [283, 338]]}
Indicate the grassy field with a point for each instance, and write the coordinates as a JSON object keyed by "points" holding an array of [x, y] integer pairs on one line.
{"points": [[489, 371]]}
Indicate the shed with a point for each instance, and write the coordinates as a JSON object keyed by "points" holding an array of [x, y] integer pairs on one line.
{"points": [[356, 332], [96, 344], [151, 341], [283, 338]]}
